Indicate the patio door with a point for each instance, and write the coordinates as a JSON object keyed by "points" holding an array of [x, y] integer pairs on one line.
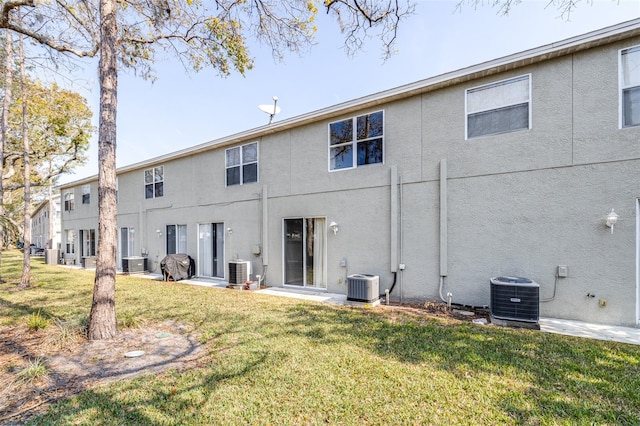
{"points": [[126, 241], [305, 252], [211, 250]]}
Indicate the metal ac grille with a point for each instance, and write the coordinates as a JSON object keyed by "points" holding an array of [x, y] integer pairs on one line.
{"points": [[515, 302], [363, 287], [238, 272]]}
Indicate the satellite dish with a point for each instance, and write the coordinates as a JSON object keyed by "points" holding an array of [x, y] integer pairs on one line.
{"points": [[270, 109]]}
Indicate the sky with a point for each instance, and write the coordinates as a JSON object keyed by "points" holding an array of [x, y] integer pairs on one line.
{"points": [[182, 109]]}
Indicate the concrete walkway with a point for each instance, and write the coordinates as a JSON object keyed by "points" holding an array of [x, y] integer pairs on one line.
{"points": [[548, 325]]}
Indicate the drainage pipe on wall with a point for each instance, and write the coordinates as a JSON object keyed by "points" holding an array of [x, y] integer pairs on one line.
{"points": [[265, 233], [395, 230], [443, 229]]}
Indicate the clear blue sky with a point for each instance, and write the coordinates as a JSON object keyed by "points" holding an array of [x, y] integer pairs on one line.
{"points": [[181, 110]]}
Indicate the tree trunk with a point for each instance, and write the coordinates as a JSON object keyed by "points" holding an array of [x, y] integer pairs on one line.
{"points": [[4, 126], [102, 320], [25, 280]]}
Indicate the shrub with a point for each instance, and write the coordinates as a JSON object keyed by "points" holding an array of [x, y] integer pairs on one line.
{"points": [[36, 321]]}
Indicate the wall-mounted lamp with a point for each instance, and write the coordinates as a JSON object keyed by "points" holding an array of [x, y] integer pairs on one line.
{"points": [[612, 218], [229, 231], [334, 227], [158, 233]]}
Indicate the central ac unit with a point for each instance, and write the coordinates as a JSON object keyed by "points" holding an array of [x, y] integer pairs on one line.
{"points": [[239, 271], [363, 288], [515, 301]]}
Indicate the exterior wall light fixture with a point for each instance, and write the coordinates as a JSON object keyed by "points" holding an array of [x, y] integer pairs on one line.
{"points": [[229, 231], [334, 227], [612, 218], [158, 233]]}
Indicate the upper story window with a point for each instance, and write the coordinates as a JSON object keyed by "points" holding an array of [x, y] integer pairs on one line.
{"points": [[86, 194], [630, 86], [154, 182], [242, 164], [69, 203], [357, 141], [499, 107]]}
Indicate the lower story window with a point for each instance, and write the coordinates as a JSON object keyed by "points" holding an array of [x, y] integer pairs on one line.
{"points": [[176, 239], [70, 246]]}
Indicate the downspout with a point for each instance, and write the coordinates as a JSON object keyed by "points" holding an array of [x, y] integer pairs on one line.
{"points": [[443, 230], [265, 234], [395, 231]]}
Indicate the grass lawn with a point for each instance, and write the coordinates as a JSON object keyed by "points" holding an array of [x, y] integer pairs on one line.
{"points": [[280, 361]]}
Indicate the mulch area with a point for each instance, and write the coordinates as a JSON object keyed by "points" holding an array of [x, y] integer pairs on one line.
{"points": [[82, 364]]}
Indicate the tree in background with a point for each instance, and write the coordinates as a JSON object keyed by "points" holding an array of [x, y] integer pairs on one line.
{"points": [[47, 133], [200, 34]]}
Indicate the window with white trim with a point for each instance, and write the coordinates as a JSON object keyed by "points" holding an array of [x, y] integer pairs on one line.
{"points": [[88, 241], [154, 182], [500, 107], [69, 203], [176, 239], [70, 243], [630, 86], [357, 141], [86, 194], [241, 164]]}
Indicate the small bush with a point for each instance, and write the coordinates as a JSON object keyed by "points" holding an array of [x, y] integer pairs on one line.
{"points": [[129, 321], [36, 321], [35, 369], [68, 332]]}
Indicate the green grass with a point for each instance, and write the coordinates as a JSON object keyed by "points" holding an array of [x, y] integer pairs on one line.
{"points": [[281, 361]]}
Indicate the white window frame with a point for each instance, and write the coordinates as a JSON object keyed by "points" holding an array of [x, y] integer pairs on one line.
{"points": [[623, 85], [70, 241], [353, 143], [489, 86], [178, 228], [69, 201], [86, 194], [155, 181], [89, 242], [241, 164]]}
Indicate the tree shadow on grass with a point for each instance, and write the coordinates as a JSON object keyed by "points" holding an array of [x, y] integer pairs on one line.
{"points": [[171, 399], [565, 378]]}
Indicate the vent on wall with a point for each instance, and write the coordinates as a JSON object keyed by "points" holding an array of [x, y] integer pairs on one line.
{"points": [[363, 288], [239, 271], [515, 301]]}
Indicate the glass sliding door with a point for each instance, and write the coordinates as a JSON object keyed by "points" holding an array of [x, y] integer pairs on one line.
{"points": [[304, 252], [127, 239], [211, 250]]}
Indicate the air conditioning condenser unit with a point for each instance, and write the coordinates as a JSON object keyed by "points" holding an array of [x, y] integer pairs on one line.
{"points": [[363, 288], [515, 301]]}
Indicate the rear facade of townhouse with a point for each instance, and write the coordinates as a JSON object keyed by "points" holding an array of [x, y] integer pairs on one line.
{"points": [[506, 168]]}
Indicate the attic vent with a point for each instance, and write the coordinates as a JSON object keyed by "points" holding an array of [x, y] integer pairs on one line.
{"points": [[239, 271], [515, 301], [363, 288]]}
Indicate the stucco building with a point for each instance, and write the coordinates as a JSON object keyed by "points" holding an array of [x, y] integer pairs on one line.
{"points": [[508, 167]]}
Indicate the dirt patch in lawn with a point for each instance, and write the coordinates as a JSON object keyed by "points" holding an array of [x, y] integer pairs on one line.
{"points": [[78, 364]]}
